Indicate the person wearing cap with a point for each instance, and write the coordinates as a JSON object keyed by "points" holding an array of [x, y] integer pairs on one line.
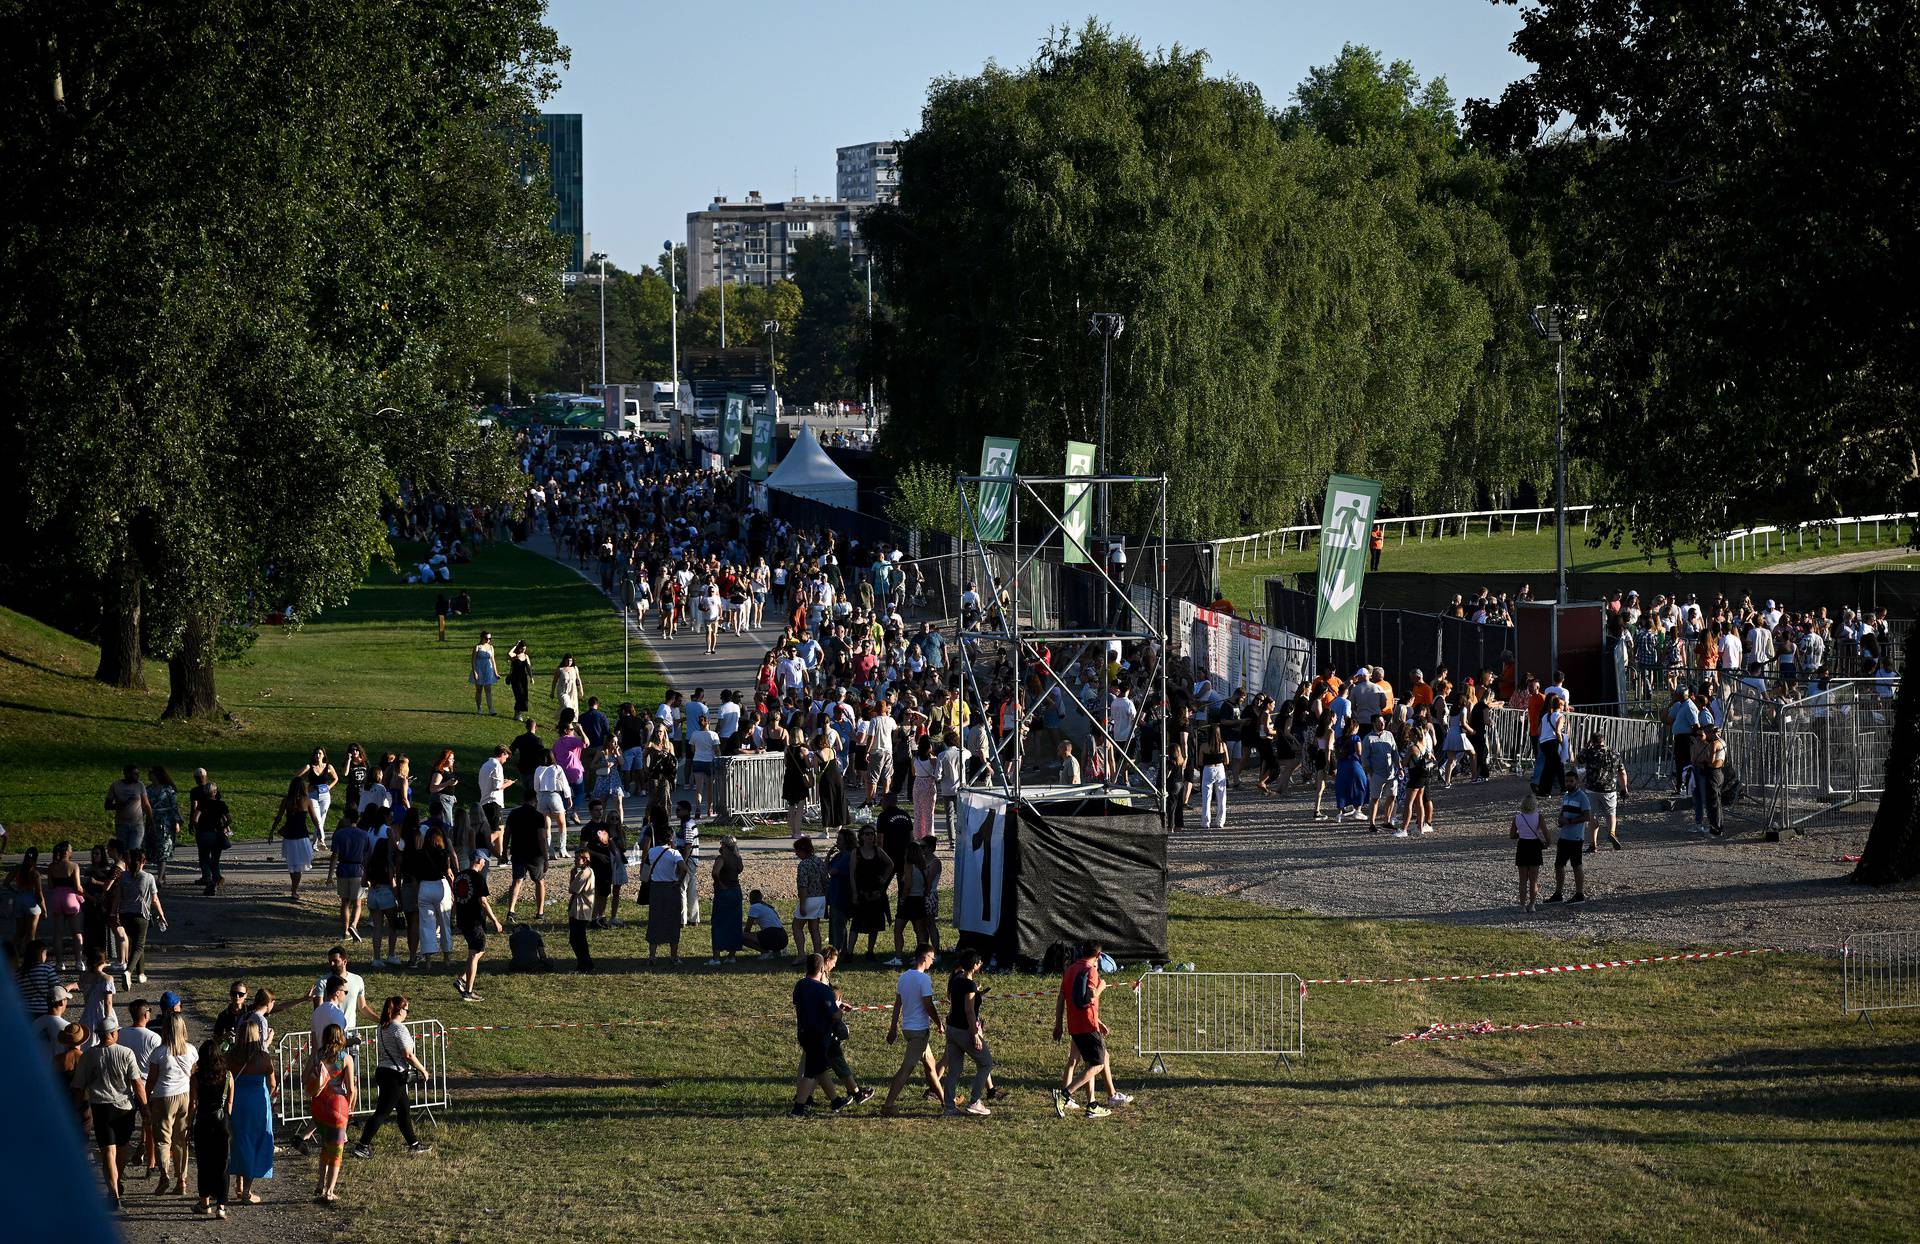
{"points": [[108, 1078], [49, 1026]]}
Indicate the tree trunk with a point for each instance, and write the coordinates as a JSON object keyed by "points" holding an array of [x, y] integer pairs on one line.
{"points": [[190, 672], [1892, 852], [120, 596]]}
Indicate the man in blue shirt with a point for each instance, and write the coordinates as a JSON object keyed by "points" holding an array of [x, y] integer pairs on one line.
{"points": [[933, 647], [594, 728], [816, 1009], [352, 847]]}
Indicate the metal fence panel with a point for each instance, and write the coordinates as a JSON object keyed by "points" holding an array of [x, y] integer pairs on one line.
{"points": [[1220, 1013], [429, 1046], [1880, 971], [1644, 747], [750, 785]]}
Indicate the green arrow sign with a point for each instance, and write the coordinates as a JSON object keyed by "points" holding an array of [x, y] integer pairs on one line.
{"points": [[763, 443], [997, 456], [1345, 521], [1079, 499], [730, 423]]}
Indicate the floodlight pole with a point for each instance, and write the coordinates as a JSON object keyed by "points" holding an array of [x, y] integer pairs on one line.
{"points": [[601, 256], [1554, 321], [1109, 325]]}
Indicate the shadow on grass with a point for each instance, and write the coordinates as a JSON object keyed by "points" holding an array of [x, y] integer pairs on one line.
{"points": [[32, 664], [70, 715]]}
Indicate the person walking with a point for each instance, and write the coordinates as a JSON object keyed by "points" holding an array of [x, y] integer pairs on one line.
{"points": [[1605, 779], [140, 906], [163, 830], [966, 1037], [109, 1080], [396, 1064], [331, 1087], [169, 1075], [1550, 767], [210, 1110], [483, 672], [292, 823], [821, 1031], [580, 907], [472, 912], [567, 688], [912, 1022], [520, 679], [1077, 1009], [127, 800], [1530, 851], [321, 777], [1213, 779]]}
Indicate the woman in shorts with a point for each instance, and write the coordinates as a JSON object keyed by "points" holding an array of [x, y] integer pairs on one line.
{"points": [[1530, 849], [810, 883], [331, 1086]]}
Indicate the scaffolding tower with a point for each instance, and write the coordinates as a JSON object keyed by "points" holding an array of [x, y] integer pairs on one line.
{"points": [[1014, 617]]}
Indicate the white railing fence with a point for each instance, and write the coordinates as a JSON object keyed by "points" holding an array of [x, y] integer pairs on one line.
{"points": [[1756, 542], [1880, 972], [429, 1046], [1419, 527], [1220, 1013]]}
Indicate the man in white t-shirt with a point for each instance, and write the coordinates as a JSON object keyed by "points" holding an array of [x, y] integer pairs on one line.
{"points": [[354, 1005], [49, 1026], [138, 1036], [493, 794], [332, 1010], [914, 1018], [880, 751], [728, 714]]}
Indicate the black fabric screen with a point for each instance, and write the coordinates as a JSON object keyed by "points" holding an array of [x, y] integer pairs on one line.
{"points": [[1091, 869]]}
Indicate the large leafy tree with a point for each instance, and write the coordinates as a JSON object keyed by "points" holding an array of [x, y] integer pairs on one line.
{"points": [[830, 337], [1329, 288], [1739, 181], [250, 254]]}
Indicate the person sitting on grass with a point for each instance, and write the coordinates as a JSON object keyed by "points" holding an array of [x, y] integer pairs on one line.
{"points": [[764, 931]]}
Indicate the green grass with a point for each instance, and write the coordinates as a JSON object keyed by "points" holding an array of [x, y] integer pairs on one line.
{"points": [[1244, 582], [1711, 1100], [369, 672]]}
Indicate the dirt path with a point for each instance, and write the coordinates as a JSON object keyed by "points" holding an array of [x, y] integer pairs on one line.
{"points": [[1833, 563]]}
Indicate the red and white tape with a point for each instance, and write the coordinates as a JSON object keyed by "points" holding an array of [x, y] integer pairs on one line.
{"points": [[1479, 1028], [1554, 970]]}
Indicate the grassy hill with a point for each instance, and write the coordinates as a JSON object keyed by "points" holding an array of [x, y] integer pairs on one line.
{"points": [[369, 672]]}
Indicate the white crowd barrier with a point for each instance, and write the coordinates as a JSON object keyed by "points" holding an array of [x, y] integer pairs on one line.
{"points": [[1206, 1013], [1880, 972], [429, 1046]]}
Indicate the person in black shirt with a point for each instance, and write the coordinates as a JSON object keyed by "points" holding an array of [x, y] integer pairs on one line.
{"points": [[527, 852], [529, 752], [967, 1035], [816, 1010], [227, 1021], [472, 912], [596, 838]]}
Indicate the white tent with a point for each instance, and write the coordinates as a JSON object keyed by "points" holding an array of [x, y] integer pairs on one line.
{"points": [[806, 471]]}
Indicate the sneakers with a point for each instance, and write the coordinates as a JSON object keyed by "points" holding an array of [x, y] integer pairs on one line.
{"points": [[362, 1151], [1120, 1099], [1399, 833], [1698, 828], [841, 1103], [979, 1109], [1552, 898], [1060, 1103], [861, 1096], [142, 978], [894, 962], [1578, 898], [419, 1147], [1097, 1111], [1426, 829], [800, 1112]]}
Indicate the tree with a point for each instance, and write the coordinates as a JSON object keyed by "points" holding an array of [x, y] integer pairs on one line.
{"points": [[926, 498], [829, 339], [275, 240], [1329, 288], [1738, 181], [748, 308]]}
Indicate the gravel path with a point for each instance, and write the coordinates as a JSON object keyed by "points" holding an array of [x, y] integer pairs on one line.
{"points": [[1668, 885], [1833, 563]]}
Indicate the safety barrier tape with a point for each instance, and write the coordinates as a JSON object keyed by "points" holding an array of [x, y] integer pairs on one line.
{"points": [[653, 1023], [1457, 1032], [1555, 970]]}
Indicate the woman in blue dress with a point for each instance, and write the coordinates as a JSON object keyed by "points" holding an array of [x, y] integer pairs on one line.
{"points": [[485, 672], [1350, 780], [164, 828], [728, 911], [251, 1154]]}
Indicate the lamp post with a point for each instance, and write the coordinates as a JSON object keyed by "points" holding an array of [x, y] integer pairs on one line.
{"points": [[1556, 323], [673, 280], [1108, 325], [873, 416], [600, 257]]}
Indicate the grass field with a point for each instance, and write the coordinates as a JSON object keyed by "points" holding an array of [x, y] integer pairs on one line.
{"points": [[1244, 582], [369, 672], [1712, 1100]]}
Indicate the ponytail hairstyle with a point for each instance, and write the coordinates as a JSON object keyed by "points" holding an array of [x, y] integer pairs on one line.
{"points": [[390, 1010]]}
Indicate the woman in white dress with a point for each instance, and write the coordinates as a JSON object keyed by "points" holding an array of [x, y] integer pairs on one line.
{"points": [[566, 688], [1457, 748]]}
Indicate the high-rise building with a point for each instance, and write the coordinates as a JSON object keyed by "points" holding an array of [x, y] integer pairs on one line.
{"points": [[560, 132], [869, 173], [752, 242]]}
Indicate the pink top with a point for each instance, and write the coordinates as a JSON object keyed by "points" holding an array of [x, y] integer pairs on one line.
{"points": [[566, 754], [1527, 824]]}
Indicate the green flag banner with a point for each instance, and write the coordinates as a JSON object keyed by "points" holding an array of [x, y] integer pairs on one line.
{"points": [[1345, 521], [997, 456], [763, 444], [730, 423], [1079, 500]]}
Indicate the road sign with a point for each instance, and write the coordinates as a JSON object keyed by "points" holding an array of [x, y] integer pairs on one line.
{"points": [[1345, 521]]}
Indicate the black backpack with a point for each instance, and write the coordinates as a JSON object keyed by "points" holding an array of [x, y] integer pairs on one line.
{"points": [[527, 951]]}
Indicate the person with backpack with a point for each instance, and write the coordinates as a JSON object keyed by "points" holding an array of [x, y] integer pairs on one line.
{"points": [[332, 1086], [821, 1029], [472, 912], [1077, 1009]]}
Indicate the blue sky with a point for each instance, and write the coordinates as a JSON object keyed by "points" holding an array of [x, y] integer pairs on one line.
{"points": [[682, 102]]}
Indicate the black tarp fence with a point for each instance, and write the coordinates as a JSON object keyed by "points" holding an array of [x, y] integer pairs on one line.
{"points": [[1091, 869], [1398, 640]]}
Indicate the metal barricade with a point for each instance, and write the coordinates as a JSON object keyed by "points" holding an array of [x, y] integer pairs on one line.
{"points": [[429, 1046], [749, 785], [1644, 747], [1880, 972], [1806, 758], [1508, 726], [1220, 1013]]}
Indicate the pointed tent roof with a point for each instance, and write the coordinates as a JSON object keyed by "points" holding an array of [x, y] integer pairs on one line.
{"points": [[806, 471]]}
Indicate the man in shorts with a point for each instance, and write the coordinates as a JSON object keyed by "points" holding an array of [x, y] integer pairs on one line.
{"points": [[352, 848], [1576, 816], [493, 794], [821, 1030], [472, 912], [1605, 779], [914, 1018], [108, 1079], [527, 852], [1078, 1007]]}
